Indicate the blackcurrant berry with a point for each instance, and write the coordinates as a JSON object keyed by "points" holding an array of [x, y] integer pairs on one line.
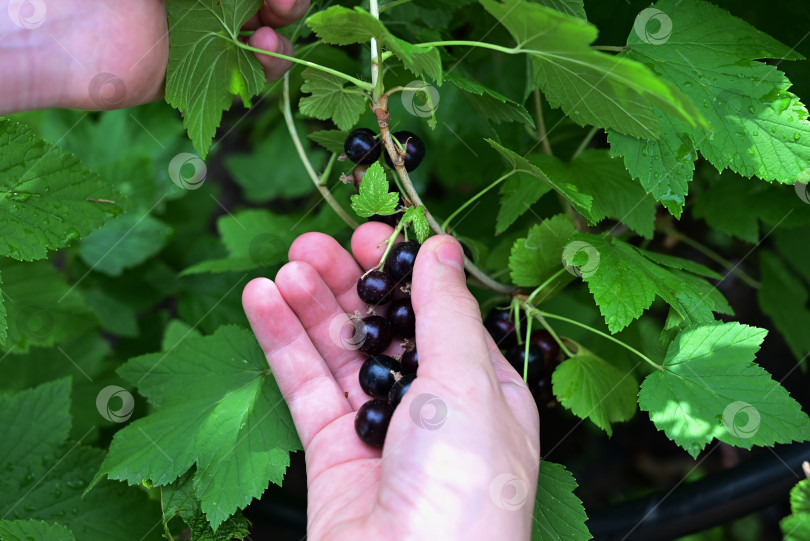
{"points": [[410, 362], [549, 346], [399, 389], [501, 328], [371, 421], [400, 260], [362, 147], [376, 377], [374, 334], [400, 315], [536, 364], [542, 391], [376, 287], [414, 149]]}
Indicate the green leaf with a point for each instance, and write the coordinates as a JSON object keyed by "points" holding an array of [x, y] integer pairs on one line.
{"points": [[491, 104], [374, 197], [415, 216], [331, 140], [783, 298], [43, 476], [758, 128], [710, 388], [41, 308], [595, 389], [518, 194], [177, 331], [206, 68], [615, 194], [590, 86], [218, 406], [581, 201], [569, 7], [47, 197], [331, 99], [3, 322], [25, 530], [537, 257], [796, 526], [558, 513], [624, 281]]}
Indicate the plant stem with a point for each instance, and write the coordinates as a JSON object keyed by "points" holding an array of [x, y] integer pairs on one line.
{"points": [[481, 44], [584, 143], [376, 60], [325, 193], [598, 332], [617, 48], [542, 286], [357, 82], [542, 136], [555, 336], [711, 254], [380, 109], [474, 198]]}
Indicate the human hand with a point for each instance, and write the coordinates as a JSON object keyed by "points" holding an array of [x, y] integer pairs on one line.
{"points": [[53, 64], [442, 481]]}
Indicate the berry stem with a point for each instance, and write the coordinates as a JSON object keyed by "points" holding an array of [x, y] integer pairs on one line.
{"points": [[391, 240], [554, 335], [544, 285], [475, 198], [526, 346], [318, 181], [584, 143]]}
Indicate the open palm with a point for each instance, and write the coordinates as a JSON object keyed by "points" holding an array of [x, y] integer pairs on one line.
{"points": [[461, 454]]}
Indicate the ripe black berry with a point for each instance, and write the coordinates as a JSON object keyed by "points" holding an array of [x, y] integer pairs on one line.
{"points": [[362, 147], [376, 287], [399, 264], [400, 315], [414, 149], [541, 391], [371, 421], [501, 328], [376, 377], [399, 389], [373, 334], [410, 362], [536, 365], [549, 346]]}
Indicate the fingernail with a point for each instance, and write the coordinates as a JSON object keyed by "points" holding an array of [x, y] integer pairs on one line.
{"points": [[449, 254]]}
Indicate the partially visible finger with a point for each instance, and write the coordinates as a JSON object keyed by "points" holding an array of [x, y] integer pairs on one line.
{"points": [[278, 13], [515, 391], [253, 23], [334, 264], [267, 39], [368, 243], [306, 383]]}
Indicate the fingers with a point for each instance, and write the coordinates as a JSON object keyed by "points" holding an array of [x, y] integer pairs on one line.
{"points": [[267, 39], [367, 243], [312, 394], [278, 13]]}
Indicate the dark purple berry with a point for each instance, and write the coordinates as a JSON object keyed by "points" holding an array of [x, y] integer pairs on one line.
{"points": [[414, 149], [400, 260], [410, 362], [376, 377], [399, 389], [551, 349], [501, 328], [542, 391], [374, 334], [400, 315], [362, 147], [371, 421], [536, 365], [376, 287]]}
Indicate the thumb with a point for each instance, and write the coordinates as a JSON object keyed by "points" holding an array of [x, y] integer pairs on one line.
{"points": [[450, 336]]}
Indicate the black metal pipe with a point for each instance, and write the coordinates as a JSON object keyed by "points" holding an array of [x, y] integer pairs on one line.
{"points": [[721, 497]]}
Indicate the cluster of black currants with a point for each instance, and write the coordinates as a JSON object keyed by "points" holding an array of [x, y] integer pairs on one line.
{"points": [[544, 353], [384, 378]]}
